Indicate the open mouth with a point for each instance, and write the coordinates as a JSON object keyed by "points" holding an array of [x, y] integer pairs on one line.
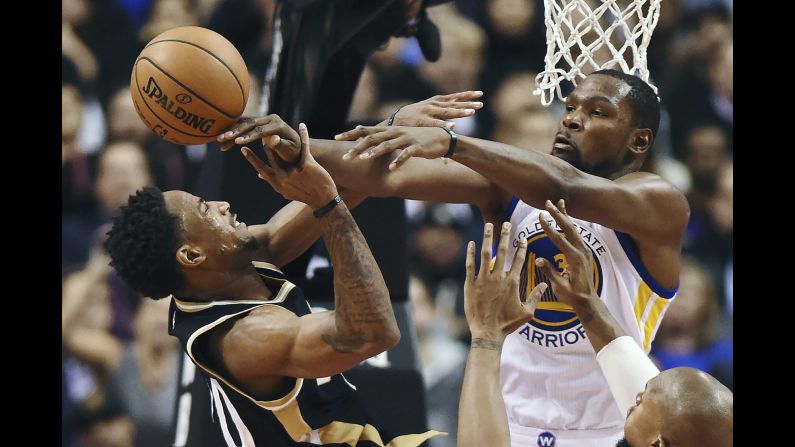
{"points": [[563, 143]]}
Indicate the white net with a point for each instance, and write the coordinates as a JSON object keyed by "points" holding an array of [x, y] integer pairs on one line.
{"points": [[584, 36]]}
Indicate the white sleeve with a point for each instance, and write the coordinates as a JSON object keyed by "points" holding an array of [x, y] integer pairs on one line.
{"points": [[627, 369]]}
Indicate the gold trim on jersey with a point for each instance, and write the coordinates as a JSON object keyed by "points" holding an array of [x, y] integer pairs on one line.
{"points": [[266, 265], [554, 305], [641, 301], [190, 306], [653, 319], [652, 306], [293, 422], [413, 440], [338, 432]]}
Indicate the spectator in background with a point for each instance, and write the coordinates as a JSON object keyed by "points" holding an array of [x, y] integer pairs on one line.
{"points": [[123, 120], [166, 14], [721, 212], [705, 151], [145, 383], [459, 67], [436, 248], [76, 166], [91, 353], [520, 118], [709, 234], [516, 37], [104, 29], [122, 168], [697, 85], [463, 44], [689, 334]]}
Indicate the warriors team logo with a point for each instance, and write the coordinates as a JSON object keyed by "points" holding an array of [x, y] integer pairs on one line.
{"points": [[552, 315], [546, 439]]}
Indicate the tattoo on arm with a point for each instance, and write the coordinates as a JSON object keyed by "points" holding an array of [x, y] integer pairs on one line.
{"points": [[486, 344], [363, 311]]}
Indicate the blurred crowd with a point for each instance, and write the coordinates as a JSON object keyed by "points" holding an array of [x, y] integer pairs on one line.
{"points": [[119, 365]]}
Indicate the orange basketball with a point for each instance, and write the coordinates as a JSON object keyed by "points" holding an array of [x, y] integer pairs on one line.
{"points": [[189, 84]]}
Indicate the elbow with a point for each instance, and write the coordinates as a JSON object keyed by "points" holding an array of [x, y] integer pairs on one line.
{"points": [[387, 339], [391, 337]]}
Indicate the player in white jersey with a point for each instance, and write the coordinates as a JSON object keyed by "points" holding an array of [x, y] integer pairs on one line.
{"points": [[634, 222], [678, 407]]}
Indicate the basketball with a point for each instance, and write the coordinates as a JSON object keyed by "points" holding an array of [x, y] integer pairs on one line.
{"points": [[189, 84]]}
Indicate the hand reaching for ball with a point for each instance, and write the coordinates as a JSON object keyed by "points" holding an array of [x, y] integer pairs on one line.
{"points": [[275, 134], [306, 182]]}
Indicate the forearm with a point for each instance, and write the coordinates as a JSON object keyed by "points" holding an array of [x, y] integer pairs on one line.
{"points": [[291, 231], [363, 312], [417, 178], [481, 411], [626, 368], [600, 327], [366, 176], [533, 176]]}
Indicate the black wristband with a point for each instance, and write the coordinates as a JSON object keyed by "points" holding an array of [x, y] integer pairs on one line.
{"points": [[323, 210], [394, 114], [453, 140]]}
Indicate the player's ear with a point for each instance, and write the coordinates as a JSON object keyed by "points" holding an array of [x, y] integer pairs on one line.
{"points": [[641, 140], [660, 442], [190, 256]]}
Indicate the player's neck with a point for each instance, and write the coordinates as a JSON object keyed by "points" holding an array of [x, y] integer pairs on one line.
{"points": [[216, 286]]}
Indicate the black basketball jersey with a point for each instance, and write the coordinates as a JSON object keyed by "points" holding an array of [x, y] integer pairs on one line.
{"points": [[323, 411]]}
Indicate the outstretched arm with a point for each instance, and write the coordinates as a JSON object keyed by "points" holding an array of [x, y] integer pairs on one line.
{"points": [[640, 204], [493, 310], [431, 180]]}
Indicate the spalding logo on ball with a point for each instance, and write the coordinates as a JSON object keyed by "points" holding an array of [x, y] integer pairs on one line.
{"points": [[189, 85]]}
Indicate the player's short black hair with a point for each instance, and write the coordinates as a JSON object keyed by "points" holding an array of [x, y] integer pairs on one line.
{"points": [[644, 102], [142, 244], [623, 443]]}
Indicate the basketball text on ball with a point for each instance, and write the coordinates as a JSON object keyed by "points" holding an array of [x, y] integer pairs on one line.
{"points": [[197, 122]]}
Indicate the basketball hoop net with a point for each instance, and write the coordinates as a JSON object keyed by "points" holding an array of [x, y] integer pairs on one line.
{"points": [[591, 35]]}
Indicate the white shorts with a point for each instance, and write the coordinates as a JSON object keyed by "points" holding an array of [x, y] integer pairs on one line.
{"points": [[536, 437]]}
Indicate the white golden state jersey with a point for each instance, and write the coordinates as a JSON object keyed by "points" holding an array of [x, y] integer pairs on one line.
{"points": [[553, 388]]}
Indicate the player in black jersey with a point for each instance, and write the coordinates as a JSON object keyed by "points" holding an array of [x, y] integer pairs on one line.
{"points": [[272, 366]]}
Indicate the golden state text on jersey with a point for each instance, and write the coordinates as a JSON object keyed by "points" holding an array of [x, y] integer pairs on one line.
{"points": [[558, 323]]}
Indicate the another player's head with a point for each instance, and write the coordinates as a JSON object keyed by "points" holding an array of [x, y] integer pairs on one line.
{"points": [[609, 125], [681, 407], [175, 242]]}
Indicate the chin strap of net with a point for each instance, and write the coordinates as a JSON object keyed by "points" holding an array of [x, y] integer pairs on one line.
{"points": [[617, 25]]}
